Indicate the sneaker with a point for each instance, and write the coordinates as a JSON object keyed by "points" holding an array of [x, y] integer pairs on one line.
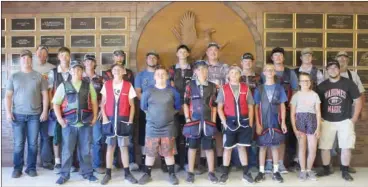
{"points": [[173, 179], [269, 167], [100, 170], [57, 168], [31, 173], [133, 167], [144, 179], [324, 172], [212, 177], [48, 166], [347, 176], [200, 170], [16, 174], [260, 177], [221, 169], [74, 169], [106, 179], [131, 179], [190, 178], [248, 178], [282, 168], [92, 178], [302, 176], [311, 175], [224, 177], [277, 177], [62, 180]]}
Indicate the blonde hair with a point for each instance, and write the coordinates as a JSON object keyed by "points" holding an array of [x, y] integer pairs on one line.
{"points": [[268, 65], [233, 67]]}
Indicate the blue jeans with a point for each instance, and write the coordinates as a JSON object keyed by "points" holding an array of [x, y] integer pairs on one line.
{"points": [[45, 143], [25, 127], [79, 138], [98, 142]]}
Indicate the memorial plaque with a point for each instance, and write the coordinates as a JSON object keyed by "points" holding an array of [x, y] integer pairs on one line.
{"points": [[362, 21], [317, 59], [274, 39], [288, 56], [309, 21], [113, 23], [338, 21], [331, 55], [15, 60], [83, 41], [363, 74], [23, 24], [362, 58], [106, 59], [53, 59], [112, 40], [52, 23], [3, 60], [77, 56], [340, 40], [53, 41], [83, 23], [362, 40], [3, 23], [279, 21], [309, 40], [22, 41], [2, 41]]}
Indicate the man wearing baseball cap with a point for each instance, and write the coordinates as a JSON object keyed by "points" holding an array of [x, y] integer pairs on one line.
{"points": [[306, 56], [338, 94]]}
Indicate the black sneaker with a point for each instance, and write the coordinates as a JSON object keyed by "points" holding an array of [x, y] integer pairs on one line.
{"points": [[224, 177], [62, 180], [173, 179], [16, 174], [92, 179], [190, 178], [277, 177], [260, 177], [31, 173], [106, 179], [323, 173], [57, 168], [347, 176], [145, 179], [212, 177], [164, 167], [131, 179], [248, 178], [48, 166]]}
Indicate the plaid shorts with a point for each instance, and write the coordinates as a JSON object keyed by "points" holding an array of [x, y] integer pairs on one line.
{"points": [[165, 146]]}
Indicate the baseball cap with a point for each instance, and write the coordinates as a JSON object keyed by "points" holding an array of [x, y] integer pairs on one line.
{"points": [[247, 56], [278, 50], [342, 53], [200, 63], [118, 52], [153, 53], [306, 51], [236, 67], [40, 47], [76, 63], [26, 52], [213, 44], [89, 57], [333, 62]]}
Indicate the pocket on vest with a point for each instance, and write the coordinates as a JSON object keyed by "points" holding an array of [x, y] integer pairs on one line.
{"points": [[87, 116], [123, 128], [191, 129], [107, 129], [210, 128]]}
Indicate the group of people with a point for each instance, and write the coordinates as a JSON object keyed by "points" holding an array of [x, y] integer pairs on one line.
{"points": [[209, 106]]}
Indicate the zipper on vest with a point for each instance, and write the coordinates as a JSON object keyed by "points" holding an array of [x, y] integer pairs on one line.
{"points": [[116, 120]]}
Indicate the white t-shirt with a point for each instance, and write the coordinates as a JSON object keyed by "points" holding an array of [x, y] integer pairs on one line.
{"points": [[305, 101], [117, 90]]}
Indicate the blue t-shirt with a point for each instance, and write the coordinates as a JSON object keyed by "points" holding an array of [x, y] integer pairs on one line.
{"points": [[145, 79], [293, 79]]}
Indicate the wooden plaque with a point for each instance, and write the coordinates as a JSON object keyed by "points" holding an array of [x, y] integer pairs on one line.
{"points": [[362, 58], [77, 56], [340, 40], [279, 21], [339, 21], [22, 41], [82, 41], [113, 23], [83, 23], [309, 21], [112, 40], [309, 40], [53, 41], [362, 21], [23, 24], [362, 40], [53, 59], [3, 24], [288, 56], [52, 23], [317, 58], [106, 59], [280, 39], [3, 41], [332, 55]]}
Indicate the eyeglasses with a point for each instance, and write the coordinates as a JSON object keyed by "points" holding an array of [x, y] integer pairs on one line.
{"points": [[90, 57]]}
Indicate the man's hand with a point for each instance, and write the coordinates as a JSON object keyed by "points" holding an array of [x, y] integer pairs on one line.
{"points": [[284, 128], [9, 117], [353, 120], [93, 121], [317, 133], [224, 124], [43, 116], [105, 120], [259, 129], [62, 123], [297, 133]]}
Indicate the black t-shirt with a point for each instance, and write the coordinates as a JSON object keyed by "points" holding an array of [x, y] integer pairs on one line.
{"points": [[337, 99]]}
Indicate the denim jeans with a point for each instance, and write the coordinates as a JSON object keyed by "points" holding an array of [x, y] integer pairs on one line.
{"points": [[98, 142], [79, 138], [25, 127], [45, 143]]}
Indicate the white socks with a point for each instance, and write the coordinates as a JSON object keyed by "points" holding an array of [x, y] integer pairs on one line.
{"points": [[275, 168], [261, 169], [57, 160]]}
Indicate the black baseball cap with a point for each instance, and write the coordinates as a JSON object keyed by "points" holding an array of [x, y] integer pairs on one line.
{"points": [[89, 57], [213, 44], [153, 53], [247, 56], [333, 62], [26, 52], [76, 63], [200, 63], [118, 52], [182, 46], [278, 50]]}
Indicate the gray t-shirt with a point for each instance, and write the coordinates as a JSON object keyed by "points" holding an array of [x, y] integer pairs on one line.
{"points": [[305, 101], [44, 69], [27, 88], [235, 88]]}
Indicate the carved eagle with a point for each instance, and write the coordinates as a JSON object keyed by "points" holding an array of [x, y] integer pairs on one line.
{"points": [[186, 33]]}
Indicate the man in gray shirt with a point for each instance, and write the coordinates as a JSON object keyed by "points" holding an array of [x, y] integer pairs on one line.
{"points": [[160, 102], [26, 105]]}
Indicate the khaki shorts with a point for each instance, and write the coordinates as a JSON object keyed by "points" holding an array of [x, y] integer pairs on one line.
{"points": [[345, 134], [165, 146]]}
